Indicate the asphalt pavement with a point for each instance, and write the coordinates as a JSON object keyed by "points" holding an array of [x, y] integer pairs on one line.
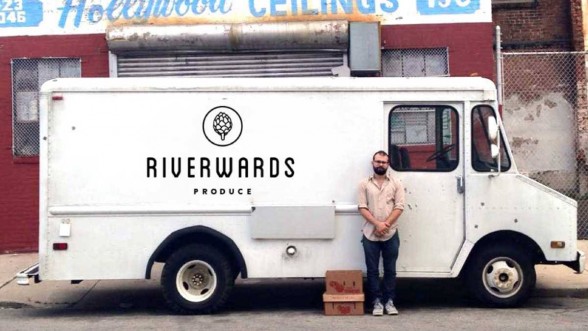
{"points": [[552, 281]]}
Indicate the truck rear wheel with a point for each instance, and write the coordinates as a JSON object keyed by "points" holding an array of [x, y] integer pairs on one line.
{"points": [[196, 279], [501, 276]]}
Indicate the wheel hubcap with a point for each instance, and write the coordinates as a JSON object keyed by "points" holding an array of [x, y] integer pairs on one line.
{"points": [[503, 277], [196, 281]]}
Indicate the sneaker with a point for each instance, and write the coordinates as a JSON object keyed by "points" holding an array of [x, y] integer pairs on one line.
{"points": [[390, 309], [378, 308]]}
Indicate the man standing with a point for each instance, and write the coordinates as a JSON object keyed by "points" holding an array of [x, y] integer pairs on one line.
{"points": [[381, 202]]}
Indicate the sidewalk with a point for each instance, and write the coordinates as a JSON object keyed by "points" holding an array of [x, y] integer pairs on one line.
{"points": [[552, 281], [559, 280]]}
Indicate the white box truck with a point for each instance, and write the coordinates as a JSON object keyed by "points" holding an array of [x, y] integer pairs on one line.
{"points": [[218, 178]]}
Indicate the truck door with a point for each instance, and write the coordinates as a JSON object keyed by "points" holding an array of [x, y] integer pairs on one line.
{"points": [[424, 144]]}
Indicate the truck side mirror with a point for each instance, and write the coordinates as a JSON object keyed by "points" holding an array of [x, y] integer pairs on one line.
{"points": [[494, 151], [493, 131]]}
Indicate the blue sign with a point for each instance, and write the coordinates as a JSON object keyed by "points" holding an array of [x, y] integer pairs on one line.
{"points": [[447, 7], [20, 13]]}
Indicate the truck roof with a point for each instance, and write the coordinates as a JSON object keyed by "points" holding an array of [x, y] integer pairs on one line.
{"points": [[307, 84]]}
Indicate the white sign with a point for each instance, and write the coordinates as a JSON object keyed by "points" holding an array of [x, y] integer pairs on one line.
{"points": [[58, 17]]}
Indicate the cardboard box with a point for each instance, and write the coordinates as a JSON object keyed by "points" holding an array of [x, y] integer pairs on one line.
{"points": [[343, 304], [344, 292], [344, 282]]}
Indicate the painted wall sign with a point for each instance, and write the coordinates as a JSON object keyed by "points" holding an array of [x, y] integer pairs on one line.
{"points": [[50, 17], [451, 7], [20, 13]]}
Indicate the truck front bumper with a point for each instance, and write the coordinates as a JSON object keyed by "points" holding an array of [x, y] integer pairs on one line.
{"points": [[579, 264]]}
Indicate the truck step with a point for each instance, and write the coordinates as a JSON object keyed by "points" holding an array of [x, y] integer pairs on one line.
{"points": [[22, 278]]}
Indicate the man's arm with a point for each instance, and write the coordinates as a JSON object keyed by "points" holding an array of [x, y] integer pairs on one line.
{"points": [[362, 206], [393, 218], [398, 205]]}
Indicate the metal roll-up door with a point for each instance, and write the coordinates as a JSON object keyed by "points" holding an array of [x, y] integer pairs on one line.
{"points": [[295, 49], [293, 64]]}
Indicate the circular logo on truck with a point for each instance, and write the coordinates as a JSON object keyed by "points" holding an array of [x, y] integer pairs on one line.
{"points": [[222, 126]]}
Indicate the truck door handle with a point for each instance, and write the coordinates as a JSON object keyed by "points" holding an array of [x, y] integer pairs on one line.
{"points": [[460, 184]]}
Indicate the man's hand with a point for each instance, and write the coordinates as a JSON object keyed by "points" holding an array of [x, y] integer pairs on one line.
{"points": [[381, 228]]}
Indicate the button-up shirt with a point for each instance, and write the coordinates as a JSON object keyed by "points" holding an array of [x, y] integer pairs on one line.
{"points": [[380, 201]]}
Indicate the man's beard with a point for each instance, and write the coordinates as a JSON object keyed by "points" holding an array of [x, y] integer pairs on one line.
{"points": [[380, 170]]}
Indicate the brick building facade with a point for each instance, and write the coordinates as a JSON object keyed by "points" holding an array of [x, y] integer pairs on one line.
{"points": [[19, 186], [540, 25]]}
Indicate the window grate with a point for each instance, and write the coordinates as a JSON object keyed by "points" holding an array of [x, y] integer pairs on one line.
{"points": [[415, 62], [27, 77]]}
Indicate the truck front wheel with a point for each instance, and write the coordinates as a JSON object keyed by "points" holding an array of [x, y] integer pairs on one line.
{"points": [[196, 279], [501, 276]]}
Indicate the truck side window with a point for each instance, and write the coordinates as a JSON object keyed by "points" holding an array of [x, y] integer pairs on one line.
{"points": [[481, 157], [423, 138]]}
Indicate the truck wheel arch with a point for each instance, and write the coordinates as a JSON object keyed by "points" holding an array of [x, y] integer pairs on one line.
{"points": [[510, 237], [198, 234]]}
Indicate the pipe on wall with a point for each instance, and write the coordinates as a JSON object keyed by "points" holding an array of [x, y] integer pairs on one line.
{"points": [[230, 37]]}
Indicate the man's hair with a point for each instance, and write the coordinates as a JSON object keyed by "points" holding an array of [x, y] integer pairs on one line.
{"points": [[381, 153]]}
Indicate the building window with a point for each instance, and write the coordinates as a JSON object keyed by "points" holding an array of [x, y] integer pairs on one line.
{"points": [[27, 77], [415, 62]]}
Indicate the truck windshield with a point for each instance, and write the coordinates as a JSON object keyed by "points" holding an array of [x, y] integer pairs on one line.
{"points": [[481, 157]]}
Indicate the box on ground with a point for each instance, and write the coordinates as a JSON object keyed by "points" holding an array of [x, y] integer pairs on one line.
{"points": [[344, 292], [344, 281], [343, 304]]}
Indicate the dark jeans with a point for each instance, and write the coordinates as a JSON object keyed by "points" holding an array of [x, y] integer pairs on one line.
{"points": [[389, 251]]}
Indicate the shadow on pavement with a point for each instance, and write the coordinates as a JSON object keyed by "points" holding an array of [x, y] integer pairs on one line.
{"points": [[262, 296]]}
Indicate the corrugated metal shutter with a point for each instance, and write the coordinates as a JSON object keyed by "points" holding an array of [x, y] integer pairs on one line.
{"points": [[258, 64]]}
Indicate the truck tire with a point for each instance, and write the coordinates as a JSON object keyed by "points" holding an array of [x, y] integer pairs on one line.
{"points": [[501, 276], [196, 279]]}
